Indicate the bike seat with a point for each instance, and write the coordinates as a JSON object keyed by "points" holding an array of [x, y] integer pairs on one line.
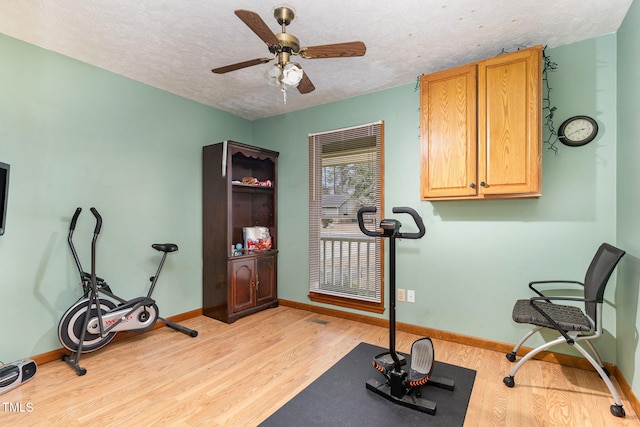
{"points": [[165, 247]]}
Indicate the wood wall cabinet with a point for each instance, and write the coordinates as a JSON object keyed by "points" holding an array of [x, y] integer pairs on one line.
{"points": [[237, 285], [481, 132]]}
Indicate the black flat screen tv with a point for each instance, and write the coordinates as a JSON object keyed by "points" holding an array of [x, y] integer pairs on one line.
{"points": [[4, 195]]}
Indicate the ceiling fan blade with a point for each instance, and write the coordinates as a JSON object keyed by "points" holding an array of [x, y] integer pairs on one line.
{"points": [[239, 65], [337, 50], [305, 85], [258, 26]]}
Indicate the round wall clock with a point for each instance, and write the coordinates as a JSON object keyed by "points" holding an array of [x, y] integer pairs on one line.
{"points": [[577, 131]]}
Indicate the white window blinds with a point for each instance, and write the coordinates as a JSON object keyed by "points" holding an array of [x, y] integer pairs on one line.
{"points": [[345, 173]]}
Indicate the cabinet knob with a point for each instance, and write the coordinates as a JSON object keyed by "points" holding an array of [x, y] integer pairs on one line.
{"points": [[472, 185], [484, 184]]}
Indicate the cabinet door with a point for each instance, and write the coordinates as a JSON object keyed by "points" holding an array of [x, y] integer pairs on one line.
{"points": [[266, 280], [448, 133], [242, 284], [509, 123]]}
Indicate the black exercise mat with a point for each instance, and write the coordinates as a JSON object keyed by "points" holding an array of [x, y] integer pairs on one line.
{"points": [[340, 398]]}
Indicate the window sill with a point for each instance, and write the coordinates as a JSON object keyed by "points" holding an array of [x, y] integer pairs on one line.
{"points": [[372, 307]]}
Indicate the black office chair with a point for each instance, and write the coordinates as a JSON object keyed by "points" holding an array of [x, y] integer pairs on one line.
{"points": [[570, 321]]}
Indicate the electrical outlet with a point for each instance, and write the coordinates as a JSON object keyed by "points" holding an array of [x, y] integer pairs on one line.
{"points": [[401, 295], [411, 296]]}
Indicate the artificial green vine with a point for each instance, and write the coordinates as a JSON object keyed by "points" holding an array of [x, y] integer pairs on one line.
{"points": [[548, 66]]}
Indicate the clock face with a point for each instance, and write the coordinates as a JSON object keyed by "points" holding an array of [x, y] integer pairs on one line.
{"points": [[578, 130]]}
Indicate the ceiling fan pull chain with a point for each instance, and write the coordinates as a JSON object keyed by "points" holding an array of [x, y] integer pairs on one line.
{"points": [[284, 93]]}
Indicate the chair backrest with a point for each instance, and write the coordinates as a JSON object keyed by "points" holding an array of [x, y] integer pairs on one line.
{"points": [[597, 277]]}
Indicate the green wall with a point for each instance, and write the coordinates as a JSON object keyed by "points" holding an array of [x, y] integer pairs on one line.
{"points": [[76, 135], [628, 207]]}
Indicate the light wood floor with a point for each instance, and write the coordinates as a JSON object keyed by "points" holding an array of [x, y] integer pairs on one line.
{"points": [[239, 374]]}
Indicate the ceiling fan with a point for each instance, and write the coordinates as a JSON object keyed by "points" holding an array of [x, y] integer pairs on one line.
{"points": [[284, 45]]}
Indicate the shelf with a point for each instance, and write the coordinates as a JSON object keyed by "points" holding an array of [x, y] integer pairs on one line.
{"points": [[250, 187], [254, 254], [239, 184]]}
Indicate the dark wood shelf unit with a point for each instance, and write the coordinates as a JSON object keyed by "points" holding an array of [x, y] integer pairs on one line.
{"points": [[235, 286]]}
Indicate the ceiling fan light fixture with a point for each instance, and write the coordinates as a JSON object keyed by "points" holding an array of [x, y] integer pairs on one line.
{"points": [[292, 74], [273, 75]]}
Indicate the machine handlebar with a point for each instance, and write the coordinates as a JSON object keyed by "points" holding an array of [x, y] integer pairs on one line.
{"points": [[361, 212], [72, 227], [416, 218], [372, 209], [95, 213]]}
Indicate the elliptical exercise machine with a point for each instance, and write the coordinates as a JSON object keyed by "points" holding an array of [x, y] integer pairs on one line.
{"points": [[402, 387], [93, 321]]}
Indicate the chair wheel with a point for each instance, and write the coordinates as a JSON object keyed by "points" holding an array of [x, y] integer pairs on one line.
{"points": [[509, 382], [617, 411], [511, 356]]}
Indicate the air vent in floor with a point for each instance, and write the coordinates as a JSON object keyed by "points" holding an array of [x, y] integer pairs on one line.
{"points": [[314, 320]]}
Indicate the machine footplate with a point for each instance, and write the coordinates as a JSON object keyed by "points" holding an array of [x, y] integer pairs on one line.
{"points": [[410, 400], [441, 382]]}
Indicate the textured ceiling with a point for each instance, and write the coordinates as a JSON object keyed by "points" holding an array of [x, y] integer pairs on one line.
{"points": [[174, 44]]}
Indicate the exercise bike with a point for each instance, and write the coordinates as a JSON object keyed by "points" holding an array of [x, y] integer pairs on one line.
{"points": [[403, 387], [93, 321]]}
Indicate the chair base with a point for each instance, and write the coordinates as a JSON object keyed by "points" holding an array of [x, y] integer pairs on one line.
{"points": [[616, 409]]}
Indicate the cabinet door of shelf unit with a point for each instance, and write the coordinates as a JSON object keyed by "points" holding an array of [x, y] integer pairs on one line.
{"points": [[242, 277], [509, 122], [266, 280], [448, 133]]}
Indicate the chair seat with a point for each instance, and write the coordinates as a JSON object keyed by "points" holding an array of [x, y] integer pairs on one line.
{"points": [[569, 318]]}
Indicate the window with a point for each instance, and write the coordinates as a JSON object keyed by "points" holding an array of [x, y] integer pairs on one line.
{"points": [[345, 173]]}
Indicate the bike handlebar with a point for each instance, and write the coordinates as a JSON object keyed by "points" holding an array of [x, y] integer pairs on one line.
{"points": [[75, 219], [95, 213], [372, 209]]}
